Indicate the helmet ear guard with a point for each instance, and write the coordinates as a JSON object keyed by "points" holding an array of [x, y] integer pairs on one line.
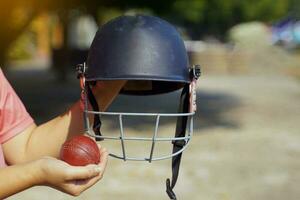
{"points": [[149, 53]]}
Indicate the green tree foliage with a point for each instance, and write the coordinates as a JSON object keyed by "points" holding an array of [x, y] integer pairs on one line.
{"points": [[295, 8], [203, 17], [198, 17], [264, 10]]}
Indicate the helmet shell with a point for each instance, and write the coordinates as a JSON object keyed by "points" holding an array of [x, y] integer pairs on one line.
{"points": [[145, 50]]}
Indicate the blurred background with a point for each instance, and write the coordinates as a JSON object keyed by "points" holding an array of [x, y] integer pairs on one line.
{"points": [[246, 143]]}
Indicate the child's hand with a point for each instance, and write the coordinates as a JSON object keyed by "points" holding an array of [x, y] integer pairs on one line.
{"points": [[71, 179]]}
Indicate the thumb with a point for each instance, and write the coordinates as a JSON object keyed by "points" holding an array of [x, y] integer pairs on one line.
{"points": [[83, 172]]}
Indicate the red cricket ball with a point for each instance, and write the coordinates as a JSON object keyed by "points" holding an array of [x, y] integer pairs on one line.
{"points": [[80, 151]]}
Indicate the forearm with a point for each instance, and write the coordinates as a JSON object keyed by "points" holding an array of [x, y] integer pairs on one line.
{"points": [[46, 139], [17, 178]]}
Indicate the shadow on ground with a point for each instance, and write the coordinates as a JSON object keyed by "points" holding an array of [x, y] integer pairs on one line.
{"points": [[45, 98]]}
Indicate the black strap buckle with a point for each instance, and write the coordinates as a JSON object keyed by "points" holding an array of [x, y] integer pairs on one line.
{"points": [[80, 69], [179, 143], [195, 72]]}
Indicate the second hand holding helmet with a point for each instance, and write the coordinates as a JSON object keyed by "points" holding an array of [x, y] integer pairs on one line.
{"points": [[149, 53]]}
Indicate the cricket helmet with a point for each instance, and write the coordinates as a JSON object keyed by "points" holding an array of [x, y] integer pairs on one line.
{"points": [[149, 53]]}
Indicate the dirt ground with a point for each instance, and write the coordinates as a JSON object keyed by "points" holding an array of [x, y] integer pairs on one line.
{"points": [[246, 143]]}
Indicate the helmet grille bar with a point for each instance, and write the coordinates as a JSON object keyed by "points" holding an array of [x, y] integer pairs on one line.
{"points": [[154, 138], [122, 137], [158, 139], [142, 114]]}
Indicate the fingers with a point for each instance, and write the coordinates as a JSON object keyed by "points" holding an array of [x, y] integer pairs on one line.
{"points": [[103, 159], [84, 184], [99, 147], [82, 178], [85, 172], [91, 182], [89, 171], [103, 156], [75, 188]]}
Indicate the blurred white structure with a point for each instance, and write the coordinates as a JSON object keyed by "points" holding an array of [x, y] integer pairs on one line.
{"points": [[82, 31], [195, 46]]}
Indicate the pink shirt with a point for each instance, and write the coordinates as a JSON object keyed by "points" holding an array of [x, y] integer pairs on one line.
{"points": [[13, 116]]}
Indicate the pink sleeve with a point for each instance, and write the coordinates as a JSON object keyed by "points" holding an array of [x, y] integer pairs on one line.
{"points": [[13, 116]]}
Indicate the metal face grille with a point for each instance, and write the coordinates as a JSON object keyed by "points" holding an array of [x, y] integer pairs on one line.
{"points": [[152, 139]]}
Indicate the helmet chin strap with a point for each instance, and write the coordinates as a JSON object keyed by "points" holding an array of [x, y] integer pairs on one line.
{"points": [[86, 87], [97, 121], [178, 144], [187, 104]]}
